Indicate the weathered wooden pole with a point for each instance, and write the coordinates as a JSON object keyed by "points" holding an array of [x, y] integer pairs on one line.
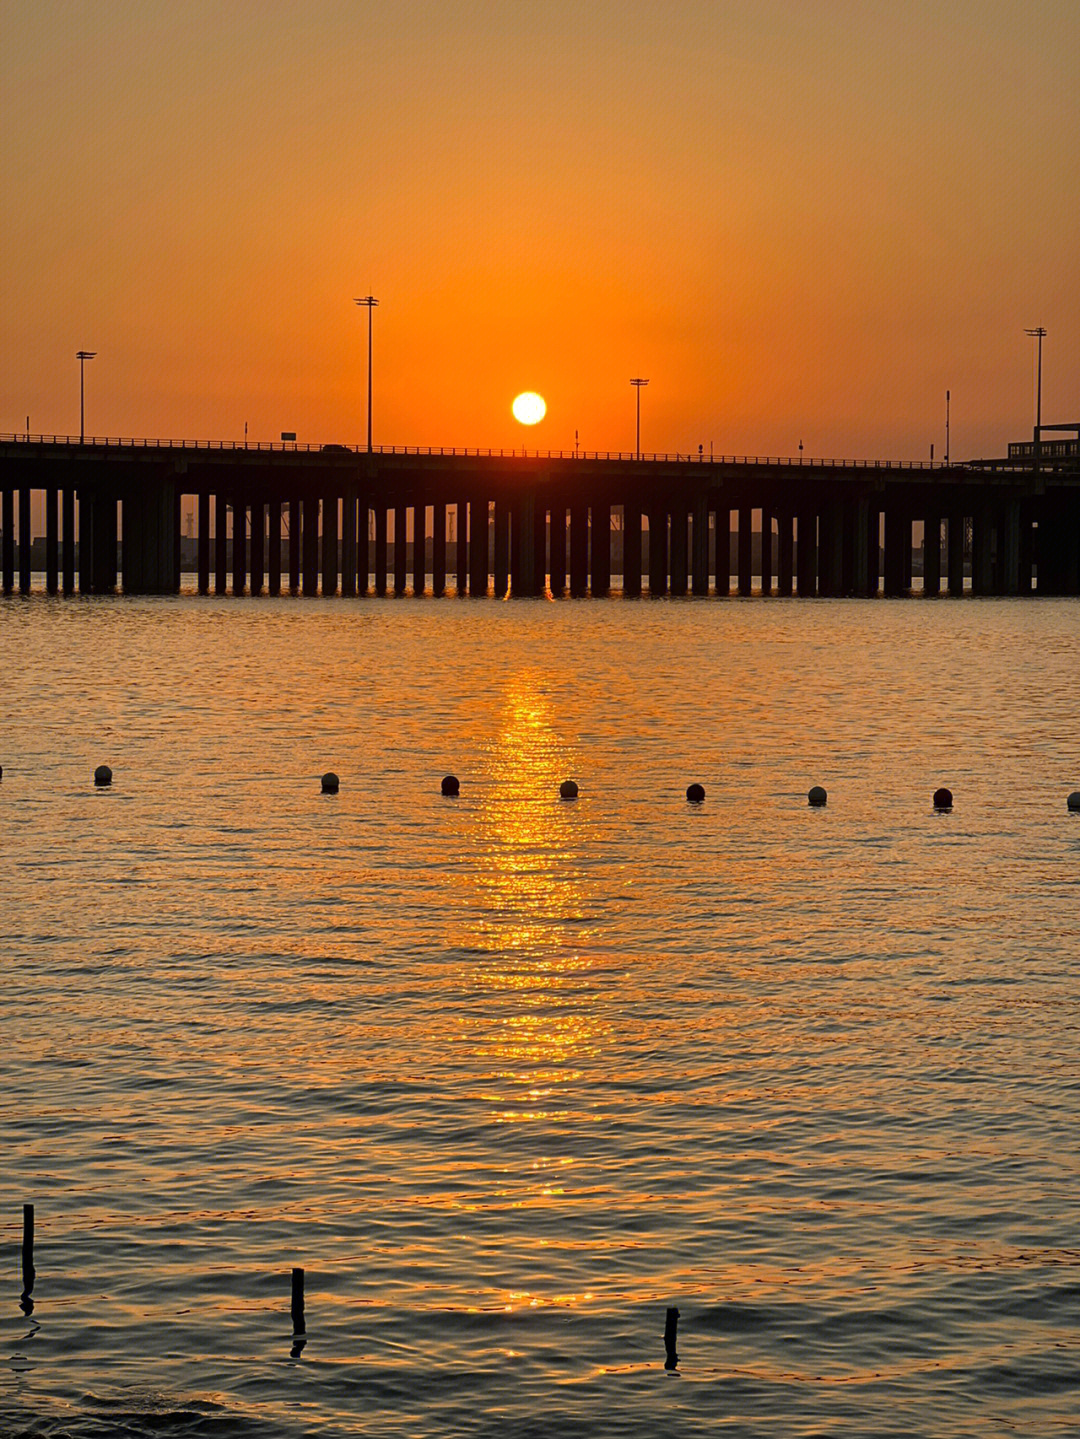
{"points": [[28, 1271]]}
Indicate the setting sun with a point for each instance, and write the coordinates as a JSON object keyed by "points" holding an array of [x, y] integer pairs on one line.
{"points": [[529, 408]]}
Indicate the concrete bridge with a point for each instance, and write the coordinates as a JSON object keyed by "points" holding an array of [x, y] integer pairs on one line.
{"points": [[336, 520]]}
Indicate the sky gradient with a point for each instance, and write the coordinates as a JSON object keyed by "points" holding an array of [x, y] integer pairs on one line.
{"points": [[801, 221]]}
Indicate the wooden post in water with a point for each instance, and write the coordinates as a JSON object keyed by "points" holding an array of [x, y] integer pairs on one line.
{"points": [[671, 1339], [28, 1272], [296, 1312]]}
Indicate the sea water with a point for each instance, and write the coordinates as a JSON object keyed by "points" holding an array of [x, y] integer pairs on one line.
{"points": [[509, 1077]]}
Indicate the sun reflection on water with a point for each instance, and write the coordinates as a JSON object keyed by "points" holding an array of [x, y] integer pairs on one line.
{"points": [[534, 975]]}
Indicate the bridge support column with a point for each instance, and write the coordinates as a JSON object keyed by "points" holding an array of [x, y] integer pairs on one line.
{"points": [[221, 543], [579, 549], [932, 553], [273, 547], [600, 547], [831, 555], [329, 545], [202, 562], [239, 544], [806, 554], [766, 562], [1027, 549], [857, 546], [102, 549], [348, 542], [539, 545], [680, 550], [954, 553], [461, 546], [982, 552], [479, 548], [380, 545], [438, 549], [7, 545], [557, 532], [309, 544], [897, 543], [25, 540], [1009, 548], [501, 557], [149, 539], [631, 550], [52, 541], [68, 551], [258, 547], [785, 553], [658, 550], [746, 551], [296, 536], [699, 547], [401, 567], [419, 550]]}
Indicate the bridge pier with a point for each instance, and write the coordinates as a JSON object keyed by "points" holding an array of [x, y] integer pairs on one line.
{"points": [[745, 582], [600, 550], [438, 549], [679, 552], [501, 557], [329, 545], [25, 541], [897, 552], [932, 553], [149, 545], [67, 504], [239, 543], [258, 547], [348, 543], [202, 558], [785, 553], [419, 566], [52, 548], [658, 550], [631, 549], [982, 552], [7, 544], [766, 562], [831, 551], [478, 548], [806, 554], [273, 568], [539, 531]]}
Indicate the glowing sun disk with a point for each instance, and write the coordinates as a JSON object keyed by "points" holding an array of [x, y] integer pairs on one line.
{"points": [[529, 408]]}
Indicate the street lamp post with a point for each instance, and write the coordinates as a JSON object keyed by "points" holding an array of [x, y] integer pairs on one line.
{"points": [[370, 301], [1038, 333], [637, 384], [82, 356]]}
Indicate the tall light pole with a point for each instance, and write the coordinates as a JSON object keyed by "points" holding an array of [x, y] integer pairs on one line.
{"points": [[1038, 334], [370, 301], [637, 384], [948, 407], [82, 356]]}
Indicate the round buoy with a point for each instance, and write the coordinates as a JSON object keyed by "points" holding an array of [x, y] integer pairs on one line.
{"points": [[817, 796], [330, 782], [1073, 801], [943, 799], [450, 786], [695, 793], [568, 789], [103, 775]]}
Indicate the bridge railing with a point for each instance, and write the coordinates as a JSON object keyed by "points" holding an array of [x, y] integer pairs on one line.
{"points": [[291, 446]]}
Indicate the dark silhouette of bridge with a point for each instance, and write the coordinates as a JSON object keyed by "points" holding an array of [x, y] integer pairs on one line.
{"points": [[337, 520]]}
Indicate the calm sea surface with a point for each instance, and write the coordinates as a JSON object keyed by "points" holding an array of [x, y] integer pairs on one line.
{"points": [[510, 1076]]}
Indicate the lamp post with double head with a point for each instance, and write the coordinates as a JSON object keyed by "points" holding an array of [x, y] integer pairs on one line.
{"points": [[82, 356]]}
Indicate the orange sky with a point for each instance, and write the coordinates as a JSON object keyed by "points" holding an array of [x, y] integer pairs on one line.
{"points": [[800, 221]]}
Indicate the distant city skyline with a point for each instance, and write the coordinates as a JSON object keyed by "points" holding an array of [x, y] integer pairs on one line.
{"points": [[805, 223]]}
